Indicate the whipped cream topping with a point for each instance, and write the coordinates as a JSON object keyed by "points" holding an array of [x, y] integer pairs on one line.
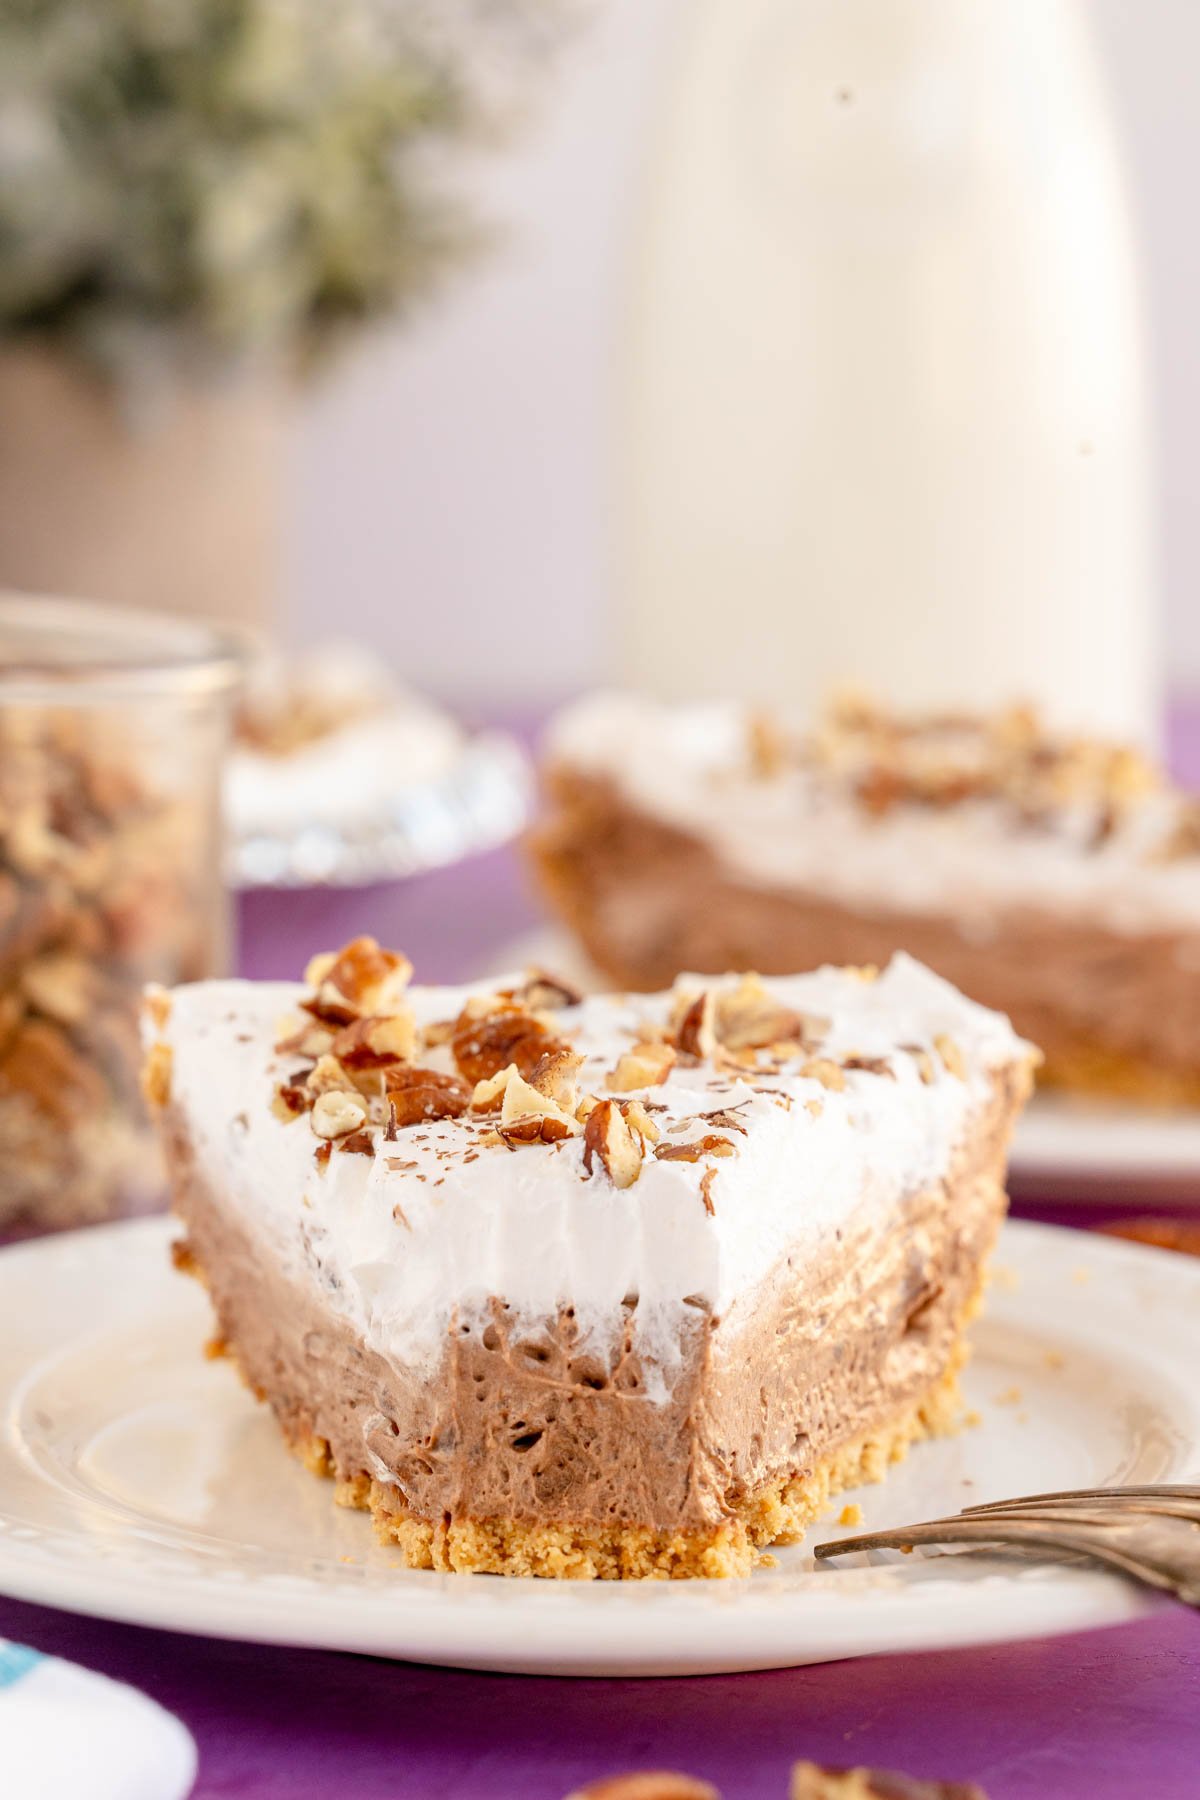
{"points": [[799, 827], [346, 779], [436, 1222]]}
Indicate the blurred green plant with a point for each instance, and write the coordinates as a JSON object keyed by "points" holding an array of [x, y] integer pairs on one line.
{"points": [[221, 180]]}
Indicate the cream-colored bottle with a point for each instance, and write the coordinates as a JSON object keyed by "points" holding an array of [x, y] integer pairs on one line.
{"points": [[885, 409]]}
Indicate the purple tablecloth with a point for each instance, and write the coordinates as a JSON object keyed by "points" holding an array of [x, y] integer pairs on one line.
{"points": [[1106, 1716]]}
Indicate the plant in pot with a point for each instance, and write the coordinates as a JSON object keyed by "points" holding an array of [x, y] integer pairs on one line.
{"points": [[199, 200]]}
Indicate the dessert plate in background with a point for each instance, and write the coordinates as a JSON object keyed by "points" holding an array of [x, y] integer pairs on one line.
{"points": [[1066, 1148], [140, 1482], [1096, 1150], [341, 776], [291, 827]]}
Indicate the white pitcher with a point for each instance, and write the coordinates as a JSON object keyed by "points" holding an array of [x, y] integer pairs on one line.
{"points": [[885, 414]]}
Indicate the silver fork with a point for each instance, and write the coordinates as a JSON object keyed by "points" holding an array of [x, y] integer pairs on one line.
{"points": [[1151, 1534]]}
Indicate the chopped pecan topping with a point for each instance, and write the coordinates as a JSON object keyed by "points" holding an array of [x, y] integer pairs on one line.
{"points": [[727, 1118], [869, 1065], [156, 1076], [556, 1076], [310, 1038], [826, 1071], [376, 1043], [1009, 759], [647, 1784], [438, 1032], [923, 1060], [706, 1188], [708, 1145], [359, 1143], [528, 1115], [336, 1114], [542, 992], [358, 980], [327, 1076], [291, 1099], [619, 1146], [811, 1781], [695, 1033], [638, 1115], [420, 1096], [482, 1047], [156, 1004], [750, 1018], [646, 1065]]}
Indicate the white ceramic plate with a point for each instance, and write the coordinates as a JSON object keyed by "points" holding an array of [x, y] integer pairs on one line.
{"points": [[1065, 1149], [140, 1482], [478, 802]]}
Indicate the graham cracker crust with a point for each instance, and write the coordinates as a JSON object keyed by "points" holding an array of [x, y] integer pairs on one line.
{"points": [[779, 1513]]}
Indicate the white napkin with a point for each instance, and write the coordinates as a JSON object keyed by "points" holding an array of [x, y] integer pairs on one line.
{"points": [[66, 1734]]}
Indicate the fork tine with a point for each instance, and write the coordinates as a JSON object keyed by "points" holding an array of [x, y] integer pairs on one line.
{"points": [[1103, 1507], [1157, 1555], [1167, 1491]]}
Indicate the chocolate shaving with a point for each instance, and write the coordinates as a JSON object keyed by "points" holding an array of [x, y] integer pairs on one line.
{"points": [[727, 1117], [870, 1065]]}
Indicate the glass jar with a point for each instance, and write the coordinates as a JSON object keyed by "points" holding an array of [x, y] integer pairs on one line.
{"points": [[113, 729]]}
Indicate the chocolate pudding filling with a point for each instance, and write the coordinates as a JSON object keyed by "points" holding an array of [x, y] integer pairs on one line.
{"points": [[854, 1343]]}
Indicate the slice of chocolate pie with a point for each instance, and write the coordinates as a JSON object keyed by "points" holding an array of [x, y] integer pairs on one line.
{"points": [[1055, 878], [623, 1286]]}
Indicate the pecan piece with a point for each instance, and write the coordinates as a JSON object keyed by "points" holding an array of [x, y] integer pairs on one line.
{"points": [[811, 1781], [376, 1042], [355, 981], [695, 1034], [750, 1018], [420, 1096], [482, 1047], [336, 1114], [359, 1143], [826, 1071], [555, 1075], [290, 1100], [711, 1144], [609, 1136], [326, 1076], [542, 992], [647, 1784], [528, 1114], [646, 1065], [870, 1065], [156, 1076], [309, 1038]]}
